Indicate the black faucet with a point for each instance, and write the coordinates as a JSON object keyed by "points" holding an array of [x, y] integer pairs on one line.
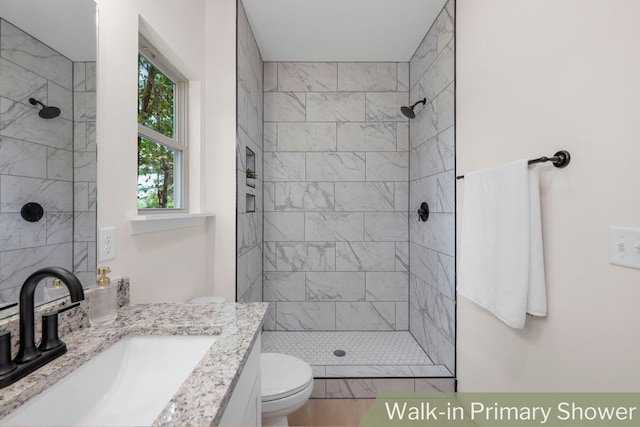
{"points": [[30, 358]]}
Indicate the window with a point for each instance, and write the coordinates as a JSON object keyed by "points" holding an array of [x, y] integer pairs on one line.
{"points": [[162, 149]]}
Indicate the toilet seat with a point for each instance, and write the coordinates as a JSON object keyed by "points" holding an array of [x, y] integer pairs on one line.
{"points": [[283, 376]]}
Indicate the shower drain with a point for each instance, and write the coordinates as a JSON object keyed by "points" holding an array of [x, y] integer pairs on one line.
{"points": [[339, 353]]}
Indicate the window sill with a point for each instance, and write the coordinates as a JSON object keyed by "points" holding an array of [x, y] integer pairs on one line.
{"points": [[152, 223]]}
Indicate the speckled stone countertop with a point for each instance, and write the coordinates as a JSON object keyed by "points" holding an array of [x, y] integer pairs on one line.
{"points": [[201, 399]]}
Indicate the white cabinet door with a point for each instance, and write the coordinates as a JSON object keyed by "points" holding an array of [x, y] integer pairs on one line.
{"points": [[244, 407]]}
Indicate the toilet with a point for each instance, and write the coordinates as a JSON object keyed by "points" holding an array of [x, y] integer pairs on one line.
{"points": [[287, 382]]}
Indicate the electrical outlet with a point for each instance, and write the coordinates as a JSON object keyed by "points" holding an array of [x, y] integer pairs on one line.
{"points": [[106, 244], [624, 246]]}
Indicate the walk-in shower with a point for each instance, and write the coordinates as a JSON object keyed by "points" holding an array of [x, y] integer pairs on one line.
{"points": [[359, 285]]}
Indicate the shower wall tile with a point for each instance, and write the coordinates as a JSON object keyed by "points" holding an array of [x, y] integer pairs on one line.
{"points": [[336, 166], [58, 162], [20, 84], [391, 286], [336, 107], [336, 153], [284, 166], [335, 287], [425, 126], [269, 256], [22, 122], [446, 192], [446, 276], [52, 195], [446, 353], [365, 196], [27, 52], [402, 316], [402, 256], [385, 106], [403, 76], [435, 385], [79, 76], [423, 57], [386, 226], [60, 228], [401, 201], [270, 76], [22, 158], [252, 133], [270, 139], [17, 265], [84, 227], [16, 233], [284, 226], [90, 83], [308, 256], [445, 317], [374, 136], [387, 166], [424, 264], [284, 107], [367, 76], [365, 256], [445, 109], [306, 316], [63, 99], [432, 179], [365, 316], [279, 286], [84, 166], [307, 76], [306, 136], [84, 106], [304, 196], [402, 136], [367, 388], [333, 226], [81, 196]]}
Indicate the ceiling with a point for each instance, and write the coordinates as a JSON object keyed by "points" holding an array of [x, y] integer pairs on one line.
{"points": [[68, 26], [340, 30]]}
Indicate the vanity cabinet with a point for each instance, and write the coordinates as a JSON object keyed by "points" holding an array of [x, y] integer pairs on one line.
{"points": [[244, 407]]}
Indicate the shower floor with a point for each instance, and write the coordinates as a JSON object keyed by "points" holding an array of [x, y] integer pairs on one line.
{"points": [[368, 354]]}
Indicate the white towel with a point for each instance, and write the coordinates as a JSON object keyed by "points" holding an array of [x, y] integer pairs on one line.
{"points": [[501, 256]]}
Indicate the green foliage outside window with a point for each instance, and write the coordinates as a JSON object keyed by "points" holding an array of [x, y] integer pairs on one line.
{"points": [[156, 162]]}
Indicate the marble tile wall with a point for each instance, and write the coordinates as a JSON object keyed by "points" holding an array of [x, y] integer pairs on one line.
{"points": [[249, 135], [432, 180], [84, 170], [336, 196], [36, 160]]}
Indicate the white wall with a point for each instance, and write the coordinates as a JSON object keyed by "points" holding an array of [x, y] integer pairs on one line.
{"points": [[171, 265], [534, 77]]}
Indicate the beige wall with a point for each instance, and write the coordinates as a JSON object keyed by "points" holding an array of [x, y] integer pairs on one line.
{"points": [[178, 264], [534, 77]]}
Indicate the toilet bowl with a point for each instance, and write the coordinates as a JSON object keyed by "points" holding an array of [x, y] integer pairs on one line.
{"points": [[287, 383]]}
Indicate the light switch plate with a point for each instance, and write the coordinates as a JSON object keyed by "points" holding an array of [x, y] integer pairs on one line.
{"points": [[106, 244], [624, 246]]}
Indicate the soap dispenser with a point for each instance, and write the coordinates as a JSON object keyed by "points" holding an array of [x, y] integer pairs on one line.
{"points": [[103, 303]]}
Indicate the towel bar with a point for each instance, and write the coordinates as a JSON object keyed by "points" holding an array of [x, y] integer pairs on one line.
{"points": [[560, 160]]}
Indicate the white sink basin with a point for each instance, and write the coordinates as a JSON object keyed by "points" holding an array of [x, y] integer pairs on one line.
{"points": [[128, 384]]}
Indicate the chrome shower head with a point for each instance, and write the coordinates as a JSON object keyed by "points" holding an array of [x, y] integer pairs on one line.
{"points": [[45, 112], [408, 111]]}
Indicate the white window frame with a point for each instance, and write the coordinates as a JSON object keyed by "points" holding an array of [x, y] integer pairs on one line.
{"points": [[179, 142]]}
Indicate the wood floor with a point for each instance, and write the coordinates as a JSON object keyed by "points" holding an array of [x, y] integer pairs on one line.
{"points": [[331, 412]]}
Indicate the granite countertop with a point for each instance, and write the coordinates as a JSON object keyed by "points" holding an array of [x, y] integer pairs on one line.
{"points": [[201, 399]]}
